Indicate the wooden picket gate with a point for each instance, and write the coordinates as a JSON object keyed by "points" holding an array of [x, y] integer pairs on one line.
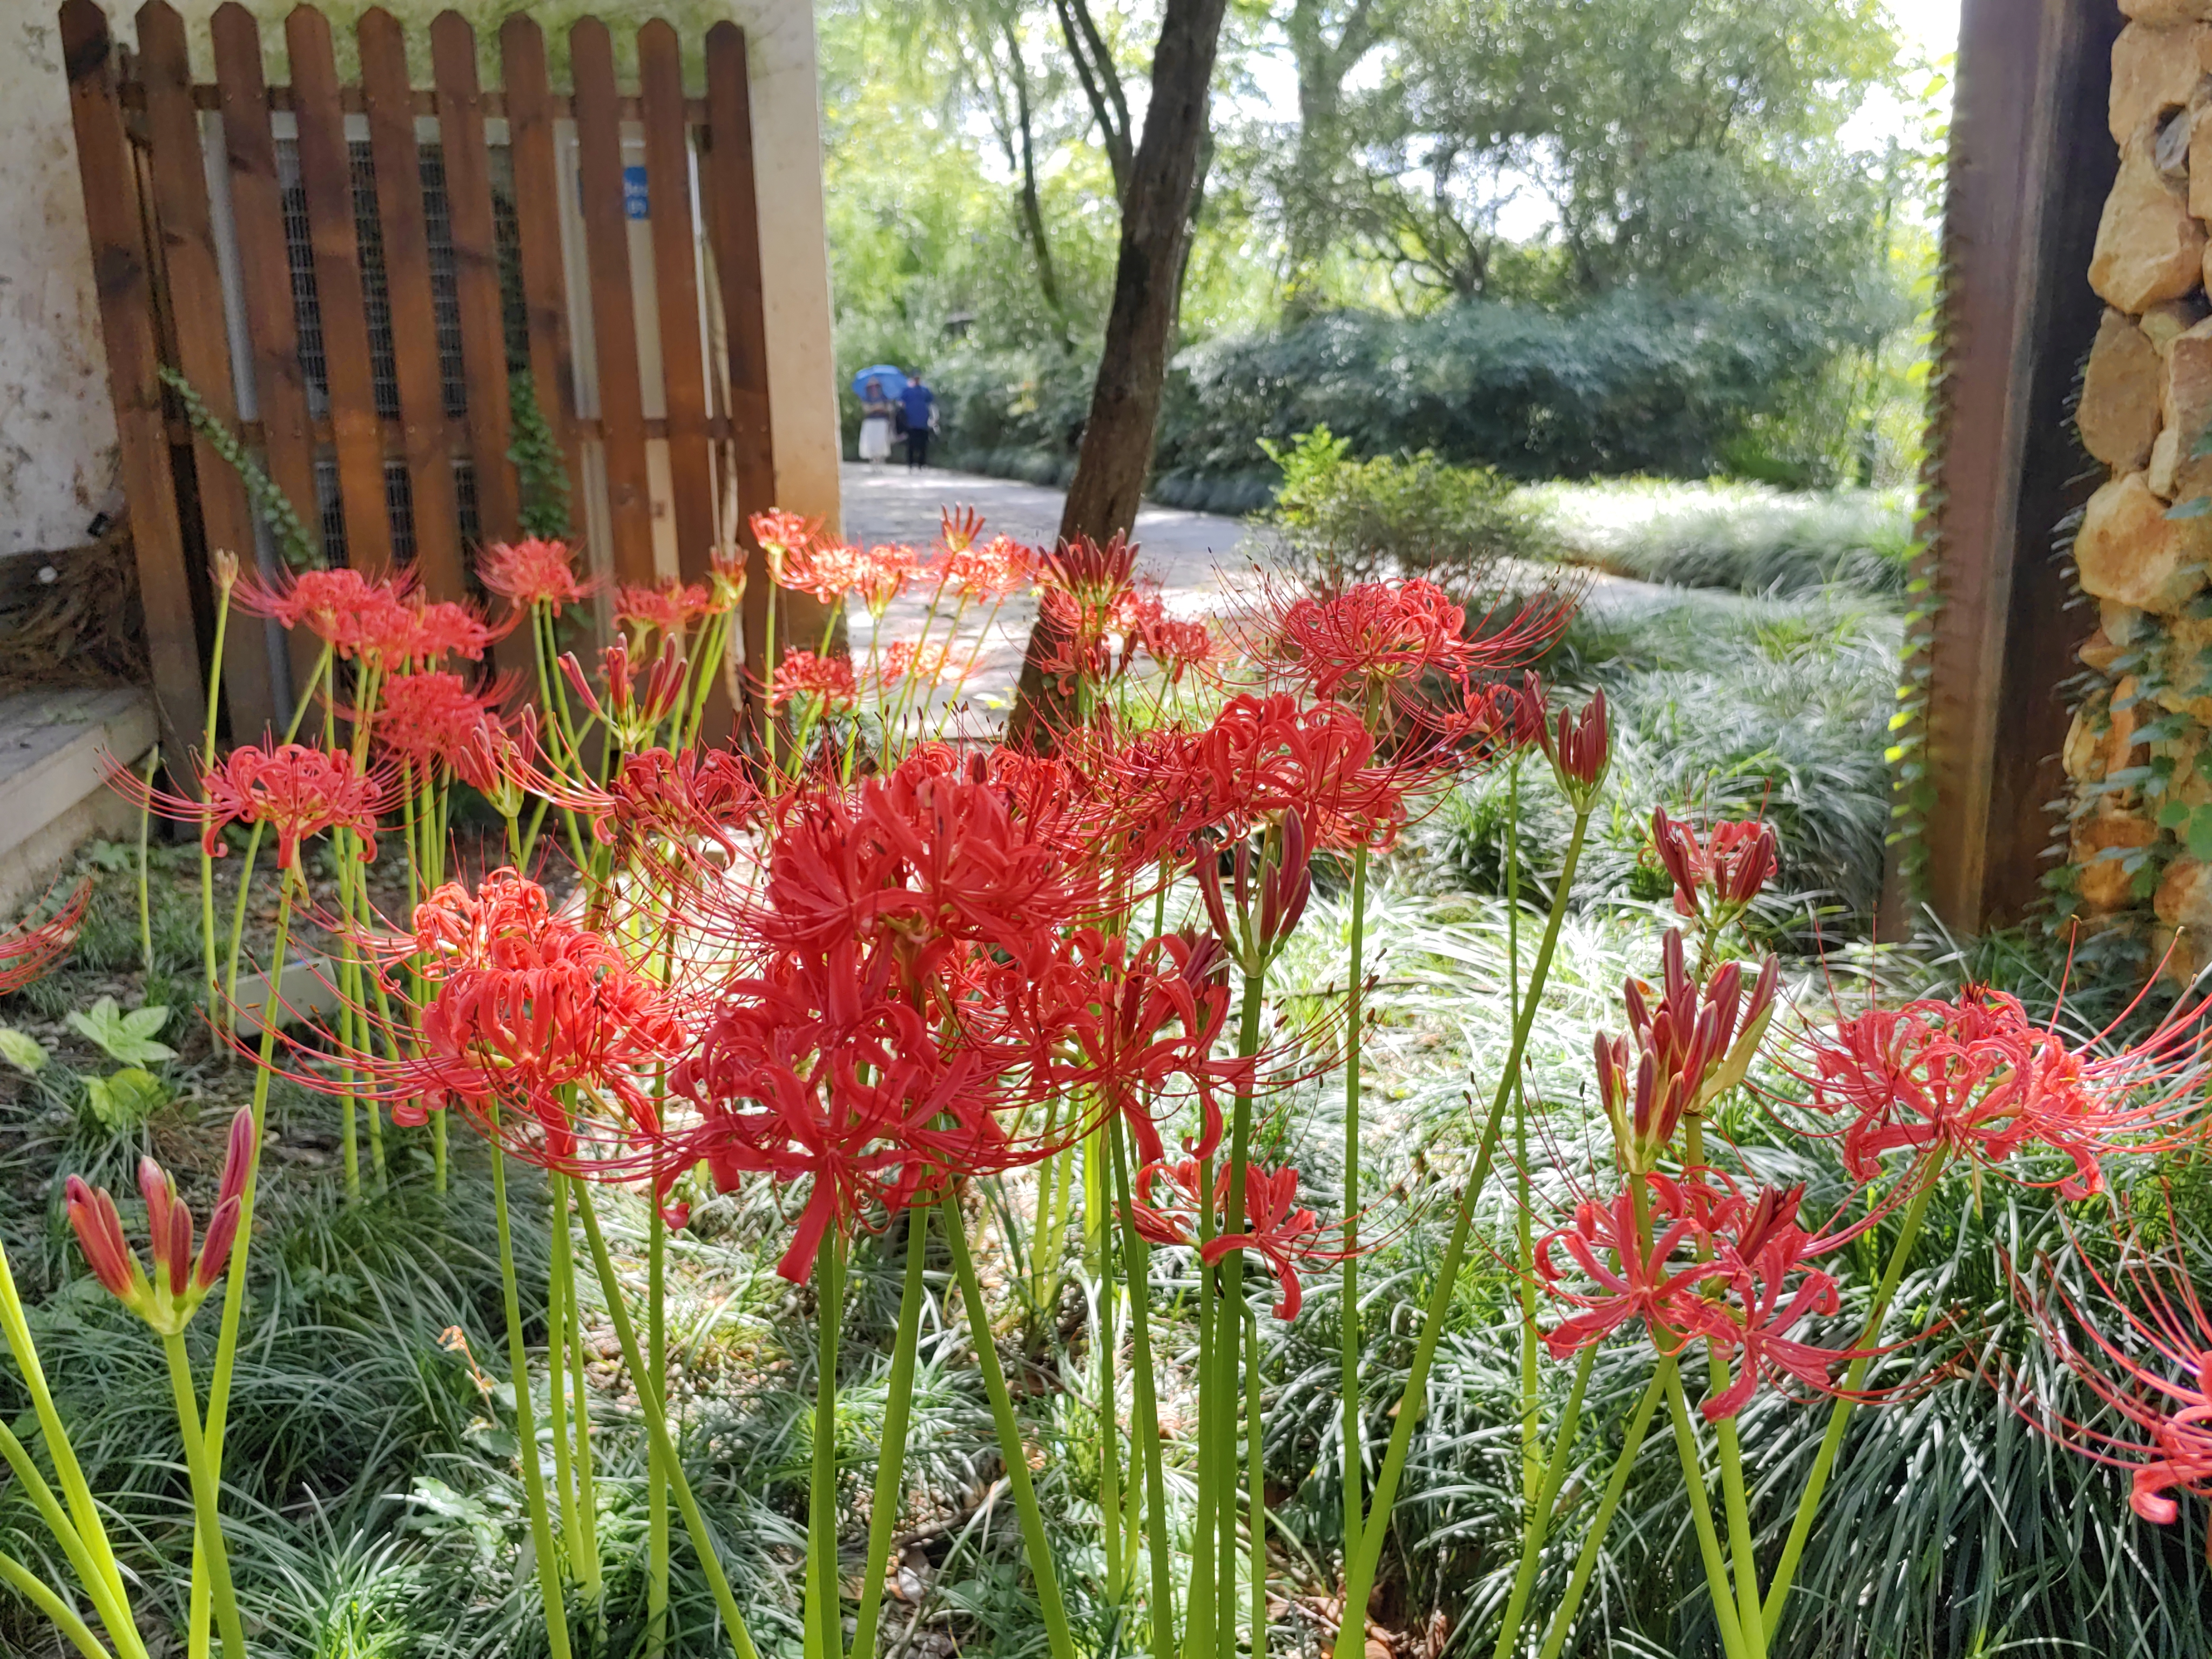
{"points": [[360, 336]]}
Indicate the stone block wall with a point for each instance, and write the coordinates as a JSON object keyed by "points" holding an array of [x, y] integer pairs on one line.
{"points": [[2140, 812]]}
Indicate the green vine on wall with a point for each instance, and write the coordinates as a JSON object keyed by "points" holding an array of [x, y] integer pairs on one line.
{"points": [[293, 541], [541, 469]]}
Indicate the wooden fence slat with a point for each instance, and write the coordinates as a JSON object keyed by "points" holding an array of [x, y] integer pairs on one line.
{"points": [[256, 212], [614, 318], [668, 194], [538, 228], [179, 170], [476, 270], [733, 229], [414, 312], [327, 178], [127, 323]]}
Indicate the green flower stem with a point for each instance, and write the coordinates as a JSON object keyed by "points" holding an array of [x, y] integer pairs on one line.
{"points": [[1748, 1619], [825, 1623], [1229, 1306], [253, 849], [1839, 1414], [1010, 1448], [234, 1288], [1594, 1537], [207, 758], [656, 1482], [526, 1427], [768, 679], [656, 1425], [1348, 1303], [1538, 1524], [1144, 1405], [1360, 1579], [556, 1368], [90, 1558], [588, 1502], [36, 1591], [145, 904], [890, 1453], [1109, 1448], [1532, 1439], [206, 1491], [1701, 1513], [1255, 1477]]}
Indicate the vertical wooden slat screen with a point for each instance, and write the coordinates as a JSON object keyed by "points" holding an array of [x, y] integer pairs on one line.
{"points": [[614, 317], [127, 323], [383, 292], [429, 452], [668, 186], [733, 232], [326, 181], [199, 318], [476, 271]]}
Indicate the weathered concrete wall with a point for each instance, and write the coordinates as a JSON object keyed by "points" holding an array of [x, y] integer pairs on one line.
{"points": [[57, 432]]}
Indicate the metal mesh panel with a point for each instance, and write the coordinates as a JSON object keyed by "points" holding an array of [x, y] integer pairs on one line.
{"points": [[399, 504], [330, 509], [506, 231], [445, 290], [464, 499], [375, 288], [300, 259]]}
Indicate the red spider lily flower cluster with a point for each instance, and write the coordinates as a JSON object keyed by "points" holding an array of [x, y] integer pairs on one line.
{"points": [[28, 953], [534, 572], [1700, 1264], [294, 790], [1975, 1077], [531, 1010], [827, 681], [780, 535], [2153, 1372], [1688, 1046], [180, 1281], [1274, 1225], [430, 717], [1718, 876], [634, 704], [989, 571], [673, 608]]}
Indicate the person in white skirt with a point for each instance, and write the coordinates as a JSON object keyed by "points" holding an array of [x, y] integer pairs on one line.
{"points": [[875, 424]]}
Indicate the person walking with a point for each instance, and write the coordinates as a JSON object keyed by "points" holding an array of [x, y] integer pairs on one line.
{"points": [[919, 406], [876, 409]]}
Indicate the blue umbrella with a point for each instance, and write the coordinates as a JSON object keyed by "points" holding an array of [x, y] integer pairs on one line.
{"points": [[891, 379]]}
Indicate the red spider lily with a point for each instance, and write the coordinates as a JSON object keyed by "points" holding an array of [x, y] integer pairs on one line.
{"points": [[820, 1069], [497, 762], [433, 718], [1285, 882], [1368, 640], [1114, 1007], [727, 575], [1692, 1046], [958, 528], [904, 660], [828, 680], [1974, 1077], [420, 631], [2156, 1375], [1178, 646], [534, 572], [694, 795], [674, 607], [827, 569], [988, 572], [1726, 870], [532, 1009], [351, 613], [1580, 752], [633, 708], [1083, 631], [922, 859], [1088, 570], [882, 574], [28, 953], [297, 791], [181, 1281], [1716, 1269], [780, 535], [1276, 1228]]}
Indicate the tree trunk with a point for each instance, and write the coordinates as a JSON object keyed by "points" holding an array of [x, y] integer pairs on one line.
{"points": [[1125, 401]]}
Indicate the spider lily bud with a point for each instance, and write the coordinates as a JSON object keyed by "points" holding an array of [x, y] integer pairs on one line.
{"points": [[181, 1281], [224, 565], [1286, 885], [1580, 750], [1695, 1044], [1726, 872]]}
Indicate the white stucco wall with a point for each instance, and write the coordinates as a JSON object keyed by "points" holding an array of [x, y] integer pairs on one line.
{"points": [[56, 431]]}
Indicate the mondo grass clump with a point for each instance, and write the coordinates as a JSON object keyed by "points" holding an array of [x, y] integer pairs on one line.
{"points": [[1353, 1134]]}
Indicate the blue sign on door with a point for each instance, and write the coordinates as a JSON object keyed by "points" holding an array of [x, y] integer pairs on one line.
{"points": [[635, 203]]}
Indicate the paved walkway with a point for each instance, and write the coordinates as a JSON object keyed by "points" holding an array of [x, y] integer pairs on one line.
{"points": [[1200, 560]]}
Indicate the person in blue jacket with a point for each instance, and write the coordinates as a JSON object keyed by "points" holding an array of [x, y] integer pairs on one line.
{"points": [[919, 408]]}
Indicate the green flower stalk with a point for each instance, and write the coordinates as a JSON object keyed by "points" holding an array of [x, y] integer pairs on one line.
{"points": [[891, 1454]]}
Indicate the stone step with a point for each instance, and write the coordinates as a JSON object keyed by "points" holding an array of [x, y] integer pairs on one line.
{"points": [[53, 788]]}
